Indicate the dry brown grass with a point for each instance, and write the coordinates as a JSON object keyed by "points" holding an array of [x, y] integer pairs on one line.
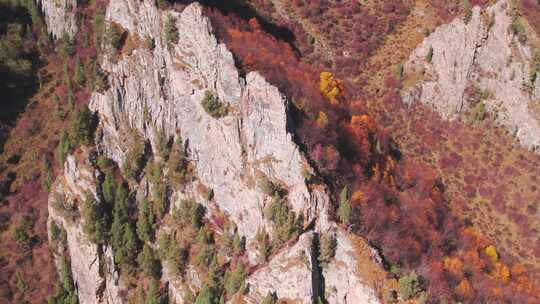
{"points": [[371, 272], [397, 46], [133, 42]]}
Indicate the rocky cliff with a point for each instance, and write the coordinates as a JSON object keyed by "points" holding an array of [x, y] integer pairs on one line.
{"points": [[60, 17], [480, 63], [94, 285], [158, 90], [162, 90]]}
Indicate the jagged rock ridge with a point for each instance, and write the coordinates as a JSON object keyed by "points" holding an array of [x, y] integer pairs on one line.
{"points": [[161, 89], [78, 180]]}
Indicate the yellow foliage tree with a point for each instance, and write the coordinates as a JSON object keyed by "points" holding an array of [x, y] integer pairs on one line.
{"points": [[388, 175], [329, 87], [491, 252], [376, 172]]}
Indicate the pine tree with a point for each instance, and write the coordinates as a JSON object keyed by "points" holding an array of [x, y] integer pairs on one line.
{"points": [[148, 262], [123, 236], [114, 36], [82, 126], [99, 78], [206, 296], [141, 296], [271, 298], [176, 256], [145, 221], [98, 28], [160, 199], [215, 276], [238, 244], [47, 173], [162, 143], [130, 243], [119, 219], [67, 83], [197, 213], [117, 232], [67, 277], [264, 246], [171, 32], [68, 46], [153, 293], [95, 220], [327, 248], [65, 293], [108, 189], [120, 204], [64, 148], [345, 208], [234, 281], [78, 76], [345, 212]]}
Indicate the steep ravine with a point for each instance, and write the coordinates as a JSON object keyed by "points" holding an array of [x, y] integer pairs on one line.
{"points": [[159, 90]]}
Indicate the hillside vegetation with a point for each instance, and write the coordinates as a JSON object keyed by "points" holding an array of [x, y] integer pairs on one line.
{"points": [[399, 198], [450, 207]]}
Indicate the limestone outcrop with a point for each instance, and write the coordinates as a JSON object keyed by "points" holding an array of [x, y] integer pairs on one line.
{"points": [[289, 274], [343, 283], [68, 193], [162, 90], [481, 57], [60, 17]]}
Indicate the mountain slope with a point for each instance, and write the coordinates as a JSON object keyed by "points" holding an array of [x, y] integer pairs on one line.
{"points": [[202, 154]]}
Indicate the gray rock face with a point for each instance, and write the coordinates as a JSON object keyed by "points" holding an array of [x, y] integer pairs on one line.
{"points": [[178, 289], [342, 281], [60, 17], [72, 187], [482, 54], [162, 90], [289, 274]]}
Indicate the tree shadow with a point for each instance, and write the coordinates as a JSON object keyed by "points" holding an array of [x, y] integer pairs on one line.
{"points": [[244, 11], [16, 88]]}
